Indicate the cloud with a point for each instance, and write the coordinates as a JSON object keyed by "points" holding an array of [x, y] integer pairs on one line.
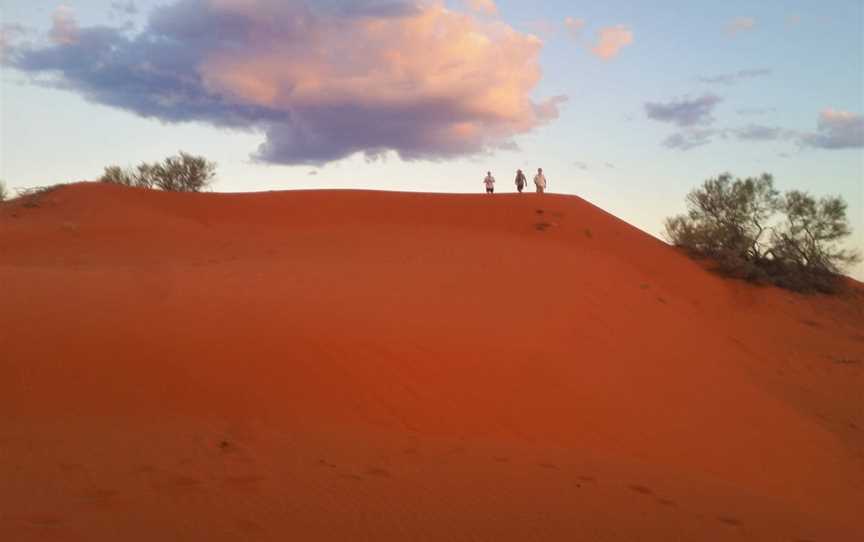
{"points": [[736, 77], [581, 165], [684, 112], [574, 26], [64, 27], [9, 34], [689, 139], [124, 8], [754, 111], [548, 110], [758, 132], [740, 24], [543, 28], [612, 40], [321, 80], [837, 130], [486, 7], [610, 165]]}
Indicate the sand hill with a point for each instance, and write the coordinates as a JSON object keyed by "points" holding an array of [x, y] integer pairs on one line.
{"points": [[386, 367]]}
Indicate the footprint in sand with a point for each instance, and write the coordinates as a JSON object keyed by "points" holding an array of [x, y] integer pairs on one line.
{"points": [[45, 521], [730, 521], [644, 490]]}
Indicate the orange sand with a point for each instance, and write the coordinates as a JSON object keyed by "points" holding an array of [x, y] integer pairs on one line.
{"points": [[380, 366]]}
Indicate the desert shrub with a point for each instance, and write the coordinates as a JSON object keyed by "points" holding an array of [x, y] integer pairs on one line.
{"points": [[811, 232], [184, 173], [3, 193], [117, 175], [181, 173], [31, 196], [753, 233], [726, 217]]}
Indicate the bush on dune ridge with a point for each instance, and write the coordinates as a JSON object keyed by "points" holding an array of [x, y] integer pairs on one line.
{"points": [[754, 233], [181, 173]]}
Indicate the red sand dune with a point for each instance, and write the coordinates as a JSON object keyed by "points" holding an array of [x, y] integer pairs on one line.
{"points": [[382, 366]]}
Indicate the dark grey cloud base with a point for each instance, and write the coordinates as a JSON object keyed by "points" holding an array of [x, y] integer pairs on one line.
{"points": [[155, 74]]}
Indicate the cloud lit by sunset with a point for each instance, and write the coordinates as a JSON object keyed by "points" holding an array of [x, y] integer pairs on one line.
{"points": [[421, 80]]}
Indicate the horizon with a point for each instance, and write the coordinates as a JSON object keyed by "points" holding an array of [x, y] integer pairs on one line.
{"points": [[628, 107]]}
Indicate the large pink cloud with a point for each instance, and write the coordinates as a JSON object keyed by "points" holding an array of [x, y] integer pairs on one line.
{"points": [[323, 82], [483, 6]]}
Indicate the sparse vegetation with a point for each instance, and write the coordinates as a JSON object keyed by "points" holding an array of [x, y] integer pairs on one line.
{"points": [[31, 196], [755, 233], [181, 173], [3, 193]]}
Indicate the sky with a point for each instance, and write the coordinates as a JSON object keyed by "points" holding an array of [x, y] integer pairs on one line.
{"points": [[628, 104]]}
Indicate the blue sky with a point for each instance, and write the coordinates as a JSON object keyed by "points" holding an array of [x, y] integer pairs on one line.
{"points": [[695, 90]]}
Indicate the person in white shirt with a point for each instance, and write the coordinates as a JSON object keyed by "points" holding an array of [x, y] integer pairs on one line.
{"points": [[489, 181], [540, 181]]}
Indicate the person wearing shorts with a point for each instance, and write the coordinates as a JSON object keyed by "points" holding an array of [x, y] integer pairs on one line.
{"points": [[489, 181], [540, 181]]}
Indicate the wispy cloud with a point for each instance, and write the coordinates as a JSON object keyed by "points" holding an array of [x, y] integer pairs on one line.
{"points": [[685, 111], [322, 82], [692, 138], [574, 26], [124, 8], [793, 21], [755, 111], [543, 28], [739, 25], [9, 34], [734, 77], [612, 39], [758, 132], [64, 26], [837, 130]]}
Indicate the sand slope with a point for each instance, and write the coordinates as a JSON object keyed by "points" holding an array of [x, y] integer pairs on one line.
{"points": [[382, 366]]}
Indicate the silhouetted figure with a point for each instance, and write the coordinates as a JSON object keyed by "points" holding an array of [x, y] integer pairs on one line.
{"points": [[489, 181], [521, 180], [540, 181]]}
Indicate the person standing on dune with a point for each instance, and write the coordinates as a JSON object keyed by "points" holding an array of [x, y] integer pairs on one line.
{"points": [[521, 180], [489, 181], [540, 181]]}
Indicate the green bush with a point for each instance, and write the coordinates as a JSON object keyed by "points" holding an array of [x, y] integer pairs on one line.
{"points": [[181, 173], [754, 233]]}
